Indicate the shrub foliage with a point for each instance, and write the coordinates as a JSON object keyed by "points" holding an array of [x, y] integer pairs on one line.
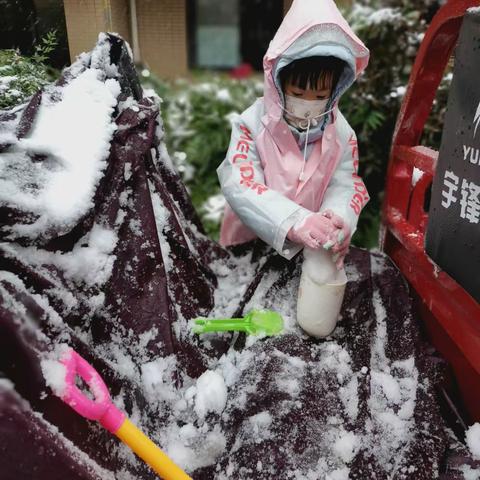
{"points": [[20, 76]]}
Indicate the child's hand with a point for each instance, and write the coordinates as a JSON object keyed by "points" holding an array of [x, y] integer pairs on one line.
{"points": [[342, 243], [316, 231], [339, 252]]}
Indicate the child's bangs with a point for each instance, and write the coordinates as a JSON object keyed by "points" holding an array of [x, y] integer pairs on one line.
{"points": [[321, 73], [316, 80]]}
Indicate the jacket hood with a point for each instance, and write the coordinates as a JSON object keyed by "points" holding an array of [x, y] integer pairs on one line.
{"points": [[311, 28]]}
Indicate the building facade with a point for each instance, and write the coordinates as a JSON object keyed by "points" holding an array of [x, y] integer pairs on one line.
{"points": [[172, 36]]}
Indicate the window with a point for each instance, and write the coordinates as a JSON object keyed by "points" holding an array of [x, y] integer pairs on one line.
{"points": [[223, 34]]}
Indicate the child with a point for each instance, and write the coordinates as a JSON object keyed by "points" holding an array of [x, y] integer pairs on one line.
{"points": [[290, 173]]}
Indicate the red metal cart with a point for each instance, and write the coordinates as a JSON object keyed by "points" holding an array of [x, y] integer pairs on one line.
{"points": [[450, 315]]}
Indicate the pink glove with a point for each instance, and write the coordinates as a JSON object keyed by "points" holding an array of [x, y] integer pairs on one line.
{"points": [[339, 251], [340, 248], [323, 230], [314, 231]]}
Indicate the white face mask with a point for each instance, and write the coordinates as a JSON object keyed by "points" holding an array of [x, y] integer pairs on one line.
{"points": [[299, 111], [301, 114]]}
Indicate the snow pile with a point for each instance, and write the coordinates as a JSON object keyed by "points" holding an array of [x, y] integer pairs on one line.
{"points": [[229, 384], [54, 370], [193, 448], [53, 172], [470, 473], [90, 261], [54, 373], [157, 379], [346, 446], [260, 424], [211, 394], [473, 440], [187, 437]]}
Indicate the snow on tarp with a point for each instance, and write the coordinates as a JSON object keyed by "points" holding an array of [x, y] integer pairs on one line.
{"points": [[117, 266]]}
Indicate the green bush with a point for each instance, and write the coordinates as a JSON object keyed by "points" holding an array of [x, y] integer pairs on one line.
{"points": [[197, 123], [21, 77]]}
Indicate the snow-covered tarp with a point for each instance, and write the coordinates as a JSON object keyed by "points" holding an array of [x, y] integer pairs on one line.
{"points": [[101, 250]]}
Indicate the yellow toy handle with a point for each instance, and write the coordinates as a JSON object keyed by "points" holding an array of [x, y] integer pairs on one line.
{"points": [[129, 434], [102, 409]]}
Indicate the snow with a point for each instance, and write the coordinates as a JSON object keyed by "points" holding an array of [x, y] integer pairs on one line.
{"points": [[157, 379], [54, 371], [5, 82], [473, 440], [60, 188], [340, 474], [161, 219], [224, 95], [193, 449], [214, 208], [189, 407], [80, 456], [346, 446], [211, 394], [183, 167], [120, 360], [127, 173], [194, 444], [260, 422], [52, 317], [349, 397], [22, 317], [398, 92], [90, 261], [470, 473], [416, 175], [233, 280], [388, 387], [393, 388], [100, 56], [6, 384], [385, 15]]}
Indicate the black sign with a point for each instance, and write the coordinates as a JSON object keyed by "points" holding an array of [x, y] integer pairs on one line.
{"points": [[453, 234]]}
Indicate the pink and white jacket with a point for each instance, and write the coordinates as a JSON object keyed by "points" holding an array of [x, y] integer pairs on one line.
{"points": [[260, 174]]}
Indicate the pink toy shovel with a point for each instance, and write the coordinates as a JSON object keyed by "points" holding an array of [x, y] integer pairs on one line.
{"points": [[102, 409]]}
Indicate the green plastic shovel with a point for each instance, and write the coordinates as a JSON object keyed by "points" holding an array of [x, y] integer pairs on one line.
{"points": [[256, 322]]}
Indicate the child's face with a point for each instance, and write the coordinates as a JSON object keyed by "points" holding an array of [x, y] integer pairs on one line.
{"points": [[309, 93]]}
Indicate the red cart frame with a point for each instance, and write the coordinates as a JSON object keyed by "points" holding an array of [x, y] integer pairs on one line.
{"points": [[450, 315]]}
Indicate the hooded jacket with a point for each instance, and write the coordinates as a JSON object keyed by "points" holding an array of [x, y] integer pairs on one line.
{"points": [[260, 174]]}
